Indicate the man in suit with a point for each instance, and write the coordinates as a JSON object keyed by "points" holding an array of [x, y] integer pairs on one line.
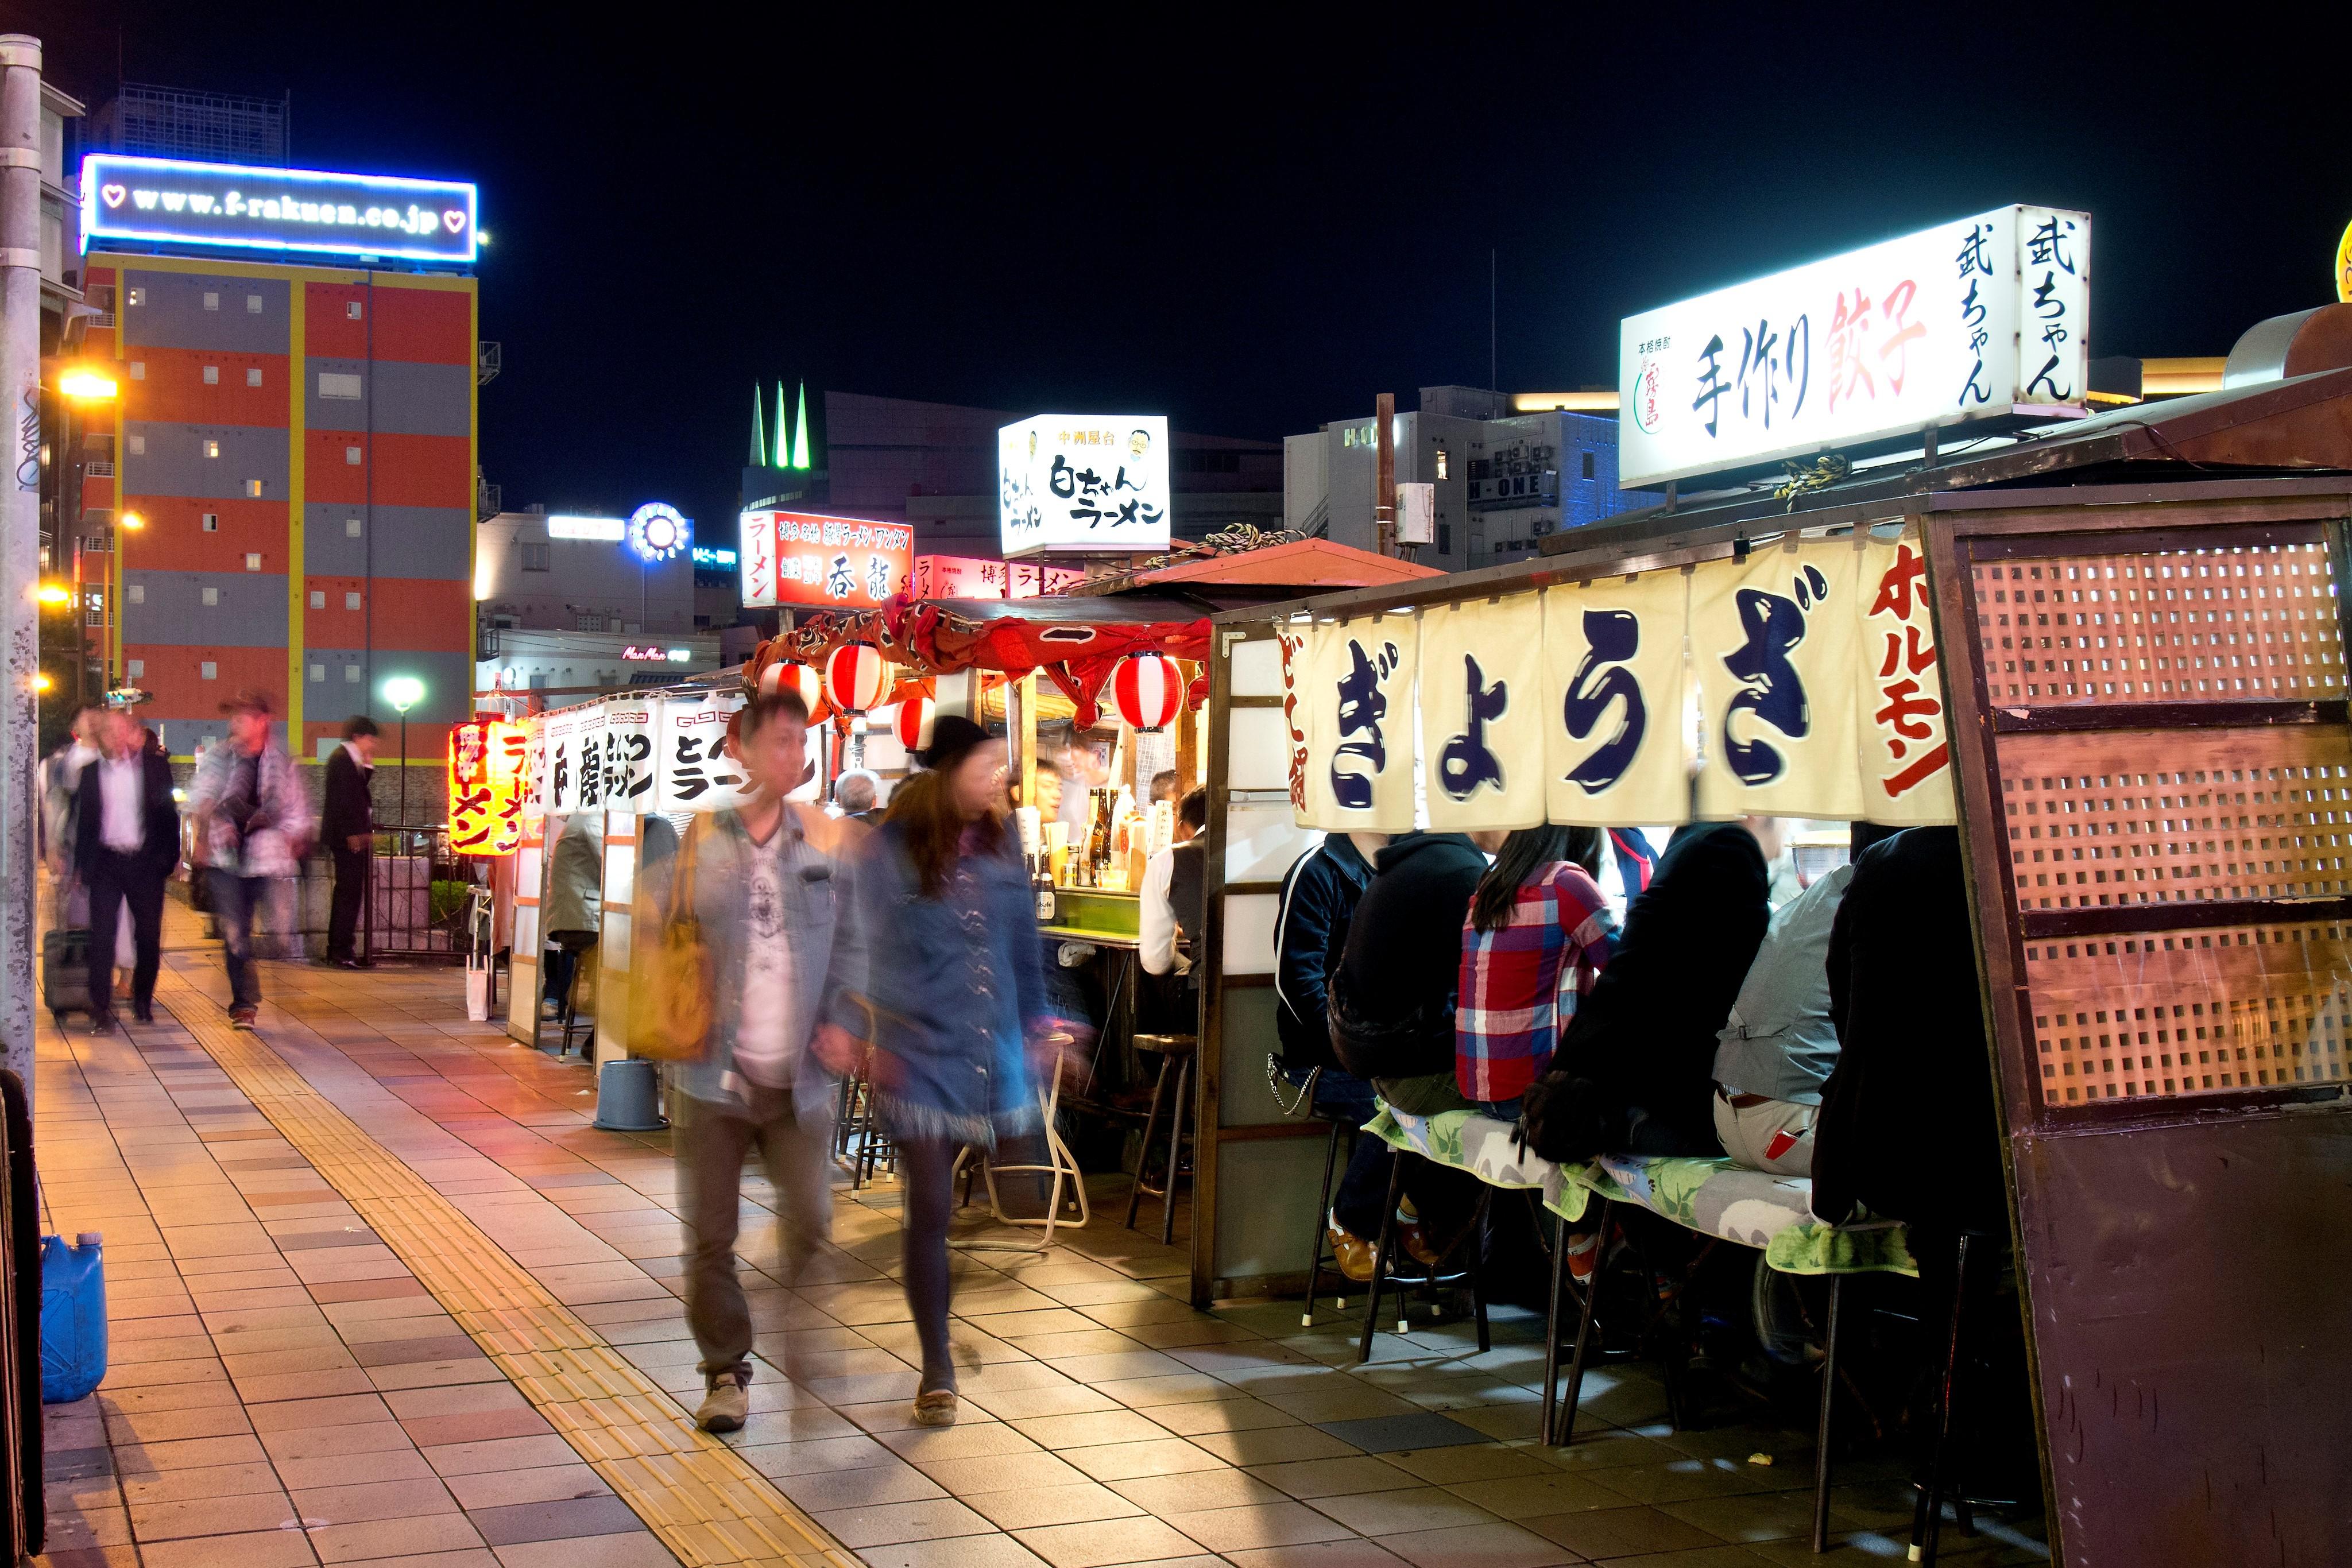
{"points": [[346, 825], [127, 841]]}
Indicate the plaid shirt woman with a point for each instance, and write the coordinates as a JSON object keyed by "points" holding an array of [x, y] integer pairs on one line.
{"points": [[1521, 978]]}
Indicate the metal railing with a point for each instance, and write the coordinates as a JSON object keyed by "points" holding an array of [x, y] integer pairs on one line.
{"points": [[419, 894]]}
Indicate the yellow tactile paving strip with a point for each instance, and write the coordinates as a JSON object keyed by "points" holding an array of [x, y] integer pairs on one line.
{"points": [[705, 1503]]}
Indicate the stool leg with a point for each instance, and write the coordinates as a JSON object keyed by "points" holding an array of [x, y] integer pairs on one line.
{"points": [[1927, 1520], [1143, 1153], [1822, 1437], [1314, 1262], [1551, 1329], [1381, 1255], [1566, 1422], [1471, 1265], [1175, 1153]]}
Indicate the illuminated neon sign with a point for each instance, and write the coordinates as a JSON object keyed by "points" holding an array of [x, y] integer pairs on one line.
{"points": [[657, 531], [173, 201], [602, 530], [713, 555]]}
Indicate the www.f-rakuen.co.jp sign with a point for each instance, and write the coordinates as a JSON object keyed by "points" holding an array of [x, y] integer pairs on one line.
{"points": [[1078, 482], [170, 201], [1970, 319]]}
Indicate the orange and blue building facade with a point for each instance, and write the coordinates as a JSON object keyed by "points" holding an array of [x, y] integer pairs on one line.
{"points": [[300, 442]]}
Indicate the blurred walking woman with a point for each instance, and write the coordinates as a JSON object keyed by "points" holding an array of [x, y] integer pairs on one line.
{"points": [[936, 968]]}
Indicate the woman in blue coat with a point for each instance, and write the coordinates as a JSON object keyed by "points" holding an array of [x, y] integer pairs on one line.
{"points": [[935, 968]]}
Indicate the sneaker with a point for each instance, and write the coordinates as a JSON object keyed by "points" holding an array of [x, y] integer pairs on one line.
{"points": [[242, 1017], [724, 1407], [935, 1407], [1353, 1252]]}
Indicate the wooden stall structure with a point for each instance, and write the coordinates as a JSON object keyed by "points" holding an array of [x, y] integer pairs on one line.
{"points": [[2137, 624]]}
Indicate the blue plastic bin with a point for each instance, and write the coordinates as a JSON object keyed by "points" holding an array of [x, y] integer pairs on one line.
{"points": [[73, 1317]]}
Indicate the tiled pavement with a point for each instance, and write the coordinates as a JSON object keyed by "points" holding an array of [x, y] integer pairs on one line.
{"points": [[286, 1390]]}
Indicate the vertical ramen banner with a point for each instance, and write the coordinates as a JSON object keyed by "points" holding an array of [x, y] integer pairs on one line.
{"points": [[1778, 644], [1615, 689], [1360, 711], [1481, 713]]}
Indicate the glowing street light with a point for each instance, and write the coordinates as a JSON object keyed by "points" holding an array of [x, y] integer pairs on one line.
{"points": [[86, 384], [56, 593], [132, 520], [403, 692]]}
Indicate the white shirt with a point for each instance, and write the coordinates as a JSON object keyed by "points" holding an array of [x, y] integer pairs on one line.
{"points": [[762, 1054], [121, 789], [1156, 941], [364, 765]]}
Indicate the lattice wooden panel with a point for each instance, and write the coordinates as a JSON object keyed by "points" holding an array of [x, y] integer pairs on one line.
{"points": [[2129, 817], [2191, 1013], [2244, 624]]}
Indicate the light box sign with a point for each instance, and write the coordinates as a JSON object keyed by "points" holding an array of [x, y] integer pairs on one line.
{"points": [[1084, 482], [170, 200], [835, 563], [970, 577], [1970, 319]]}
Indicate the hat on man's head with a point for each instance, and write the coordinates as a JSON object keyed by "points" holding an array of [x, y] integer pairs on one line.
{"points": [[250, 699], [952, 738]]}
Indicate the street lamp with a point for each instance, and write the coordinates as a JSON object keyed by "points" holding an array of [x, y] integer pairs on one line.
{"points": [[403, 692], [56, 593], [86, 385]]}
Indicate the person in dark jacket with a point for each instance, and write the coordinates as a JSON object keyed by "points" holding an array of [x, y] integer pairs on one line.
{"points": [[1391, 999], [347, 826], [1908, 1127], [1318, 899], [1635, 1071], [126, 840]]}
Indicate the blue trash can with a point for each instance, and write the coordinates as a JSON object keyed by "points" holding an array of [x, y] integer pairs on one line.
{"points": [[628, 1096], [73, 1317]]}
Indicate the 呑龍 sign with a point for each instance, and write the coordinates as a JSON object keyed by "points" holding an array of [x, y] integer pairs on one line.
{"points": [[839, 563], [1072, 482], [1970, 319], [172, 200]]}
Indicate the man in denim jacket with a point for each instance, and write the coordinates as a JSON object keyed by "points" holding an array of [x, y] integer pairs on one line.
{"points": [[766, 882]]}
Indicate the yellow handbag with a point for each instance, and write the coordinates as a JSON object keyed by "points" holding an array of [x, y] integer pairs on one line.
{"points": [[669, 1000]]}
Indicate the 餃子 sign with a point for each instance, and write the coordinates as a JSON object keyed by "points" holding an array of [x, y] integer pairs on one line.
{"points": [[1974, 319], [1800, 683]]}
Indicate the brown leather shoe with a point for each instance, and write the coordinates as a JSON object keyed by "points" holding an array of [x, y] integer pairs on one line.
{"points": [[935, 1407], [1353, 1252], [726, 1405]]}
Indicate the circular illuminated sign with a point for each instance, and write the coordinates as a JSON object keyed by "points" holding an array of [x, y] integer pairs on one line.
{"points": [[657, 531]]}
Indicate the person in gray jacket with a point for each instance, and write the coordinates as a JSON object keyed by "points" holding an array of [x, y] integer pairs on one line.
{"points": [[575, 911], [766, 879], [1776, 1049]]}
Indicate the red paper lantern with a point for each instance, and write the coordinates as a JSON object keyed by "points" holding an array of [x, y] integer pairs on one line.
{"points": [[915, 717], [855, 677], [786, 676], [1150, 690]]}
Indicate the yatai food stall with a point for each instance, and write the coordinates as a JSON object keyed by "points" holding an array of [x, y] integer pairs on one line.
{"points": [[2112, 651]]}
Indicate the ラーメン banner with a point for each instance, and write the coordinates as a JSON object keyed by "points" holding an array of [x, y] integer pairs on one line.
{"points": [[1481, 713], [1357, 694], [1777, 643], [1615, 688], [1907, 763], [697, 773]]}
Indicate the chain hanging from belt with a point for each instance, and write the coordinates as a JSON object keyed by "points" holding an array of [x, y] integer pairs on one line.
{"points": [[1274, 1081]]}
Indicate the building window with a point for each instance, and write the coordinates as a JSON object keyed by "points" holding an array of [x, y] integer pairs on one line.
{"points": [[212, 448], [253, 488], [253, 377], [135, 668], [212, 375], [212, 595], [350, 528], [1588, 464], [350, 602], [211, 522], [588, 622], [318, 672], [253, 560], [351, 674], [1443, 463], [100, 543], [534, 558], [96, 614], [317, 599], [338, 384], [137, 592], [350, 310], [253, 304], [352, 456], [1445, 538], [138, 367], [139, 297], [212, 300], [208, 671], [138, 446]]}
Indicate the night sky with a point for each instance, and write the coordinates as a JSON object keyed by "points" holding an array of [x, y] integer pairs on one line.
{"points": [[1254, 219]]}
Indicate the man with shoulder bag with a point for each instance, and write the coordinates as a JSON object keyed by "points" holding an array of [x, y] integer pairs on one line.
{"points": [[730, 989], [253, 827]]}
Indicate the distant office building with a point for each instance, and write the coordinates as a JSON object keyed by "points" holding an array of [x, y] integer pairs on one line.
{"points": [[933, 465], [1503, 480], [179, 123], [570, 602]]}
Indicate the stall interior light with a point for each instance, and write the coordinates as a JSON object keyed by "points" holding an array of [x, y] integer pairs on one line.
{"points": [[604, 530]]}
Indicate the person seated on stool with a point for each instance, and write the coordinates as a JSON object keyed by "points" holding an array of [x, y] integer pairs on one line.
{"points": [[1778, 1046], [574, 904], [1176, 893]]}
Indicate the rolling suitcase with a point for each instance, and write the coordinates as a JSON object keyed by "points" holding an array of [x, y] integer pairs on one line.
{"points": [[65, 971]]}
